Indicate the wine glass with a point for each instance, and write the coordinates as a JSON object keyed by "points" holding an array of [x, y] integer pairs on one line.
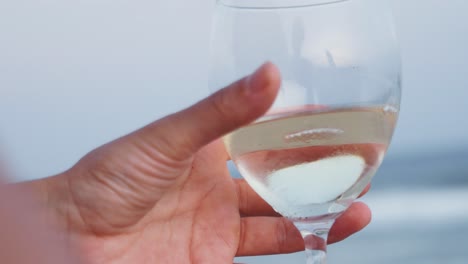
{"points": [[325, 136]]}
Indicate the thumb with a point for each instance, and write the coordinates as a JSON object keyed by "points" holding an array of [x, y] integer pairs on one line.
{"points": [[159, 153], [182, 134]]}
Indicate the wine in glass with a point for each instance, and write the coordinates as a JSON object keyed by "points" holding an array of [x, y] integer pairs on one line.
{"points": [[326, 134]]}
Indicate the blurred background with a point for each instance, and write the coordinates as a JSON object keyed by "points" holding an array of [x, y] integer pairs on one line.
{"points": [[76, 74]]}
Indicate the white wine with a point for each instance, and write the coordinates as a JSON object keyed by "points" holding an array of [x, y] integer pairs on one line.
{"points": [[315, 162]]}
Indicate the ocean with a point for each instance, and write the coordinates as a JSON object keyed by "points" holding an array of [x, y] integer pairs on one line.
{"points": [[420, 215]]}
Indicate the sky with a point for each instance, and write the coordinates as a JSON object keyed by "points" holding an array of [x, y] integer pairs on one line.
{"points": [[77, 74]]}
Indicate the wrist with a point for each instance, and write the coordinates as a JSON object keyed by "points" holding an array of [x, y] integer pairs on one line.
{"points": [[50, 197]]}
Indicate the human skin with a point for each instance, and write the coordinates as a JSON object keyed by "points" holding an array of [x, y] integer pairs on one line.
{"points": [[163, 194]]}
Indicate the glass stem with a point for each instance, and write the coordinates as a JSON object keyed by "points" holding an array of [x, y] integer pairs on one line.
{"points": [[315, 236]]}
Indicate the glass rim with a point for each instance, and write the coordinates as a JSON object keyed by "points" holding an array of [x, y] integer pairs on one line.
{"points": [[275, 4]]}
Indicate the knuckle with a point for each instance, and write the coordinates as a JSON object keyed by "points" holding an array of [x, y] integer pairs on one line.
{"points": [[242, 238], [221, 104], [227, 103], [281, 235], [243, 198]]}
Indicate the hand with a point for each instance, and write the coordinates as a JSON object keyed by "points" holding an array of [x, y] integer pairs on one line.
{"points": [[163, 194]]}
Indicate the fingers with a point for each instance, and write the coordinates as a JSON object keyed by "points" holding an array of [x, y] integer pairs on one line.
{"points": [[353, 220], [277, 235], [182, 134], [366, 190], [267, 236], [250, 203]]}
